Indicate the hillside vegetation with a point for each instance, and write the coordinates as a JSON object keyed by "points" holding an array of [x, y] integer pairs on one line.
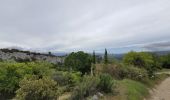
{"points": [[83, 77]]}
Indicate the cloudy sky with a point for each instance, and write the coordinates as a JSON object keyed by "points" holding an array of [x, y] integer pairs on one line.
{"points": [[71, 25]]}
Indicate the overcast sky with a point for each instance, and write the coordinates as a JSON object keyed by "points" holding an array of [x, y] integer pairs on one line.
{"points": [[71, 25]]}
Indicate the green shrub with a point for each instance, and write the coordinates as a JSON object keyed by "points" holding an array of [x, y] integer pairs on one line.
{"points": [[86, 88], [40, 68], [68, 79], [134, 73], [139, 59], [37, 89], [121, 71], [91, 85], [106, 83], [150, 62], [165, 61], [11, 73]]}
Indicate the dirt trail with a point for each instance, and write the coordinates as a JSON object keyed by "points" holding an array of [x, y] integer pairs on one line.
{"points": [[162, 91]]}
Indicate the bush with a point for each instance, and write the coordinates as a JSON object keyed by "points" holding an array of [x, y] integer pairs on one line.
{"points": [[133, 73], [143, 60], [165, 61], [11, 73], [68, 79], [139, 59], [40, 69], [37, 89], [91, 85], [86, 88], [121, 71], [106, 83]]}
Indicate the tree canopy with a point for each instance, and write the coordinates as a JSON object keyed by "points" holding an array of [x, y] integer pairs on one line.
{"points": [[94, 57], [165, 61], [140, 59], [145, 60], [79, 61]]}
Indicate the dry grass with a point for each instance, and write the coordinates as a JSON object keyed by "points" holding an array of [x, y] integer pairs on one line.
{"points": [[65, 96]]}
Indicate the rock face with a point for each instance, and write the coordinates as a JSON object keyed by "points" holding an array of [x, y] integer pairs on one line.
{"points": [[21, 56]]}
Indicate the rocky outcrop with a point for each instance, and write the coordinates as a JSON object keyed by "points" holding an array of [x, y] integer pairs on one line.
{"points": [[21, 56]]}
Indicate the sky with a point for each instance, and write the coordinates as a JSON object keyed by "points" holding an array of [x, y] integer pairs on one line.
{"points": [[73, 25]]}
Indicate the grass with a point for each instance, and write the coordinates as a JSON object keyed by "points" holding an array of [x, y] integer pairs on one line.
{"points": [[65, 96], [129, 90], [134, 90]]}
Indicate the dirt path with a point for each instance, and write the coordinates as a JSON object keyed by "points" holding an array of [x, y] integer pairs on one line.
{"points": [[162, 91]]}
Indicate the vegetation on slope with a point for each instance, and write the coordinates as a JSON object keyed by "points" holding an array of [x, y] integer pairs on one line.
{"points": [[82, 77]]}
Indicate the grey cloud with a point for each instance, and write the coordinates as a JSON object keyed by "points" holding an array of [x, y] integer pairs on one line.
{"points": [[160, 46], [67, 25]]}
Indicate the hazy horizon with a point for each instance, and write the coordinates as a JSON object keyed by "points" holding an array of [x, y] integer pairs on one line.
{"points": [[73, 25]]}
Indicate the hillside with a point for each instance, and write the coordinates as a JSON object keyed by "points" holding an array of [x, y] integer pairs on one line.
{"points": [[20, 56]]}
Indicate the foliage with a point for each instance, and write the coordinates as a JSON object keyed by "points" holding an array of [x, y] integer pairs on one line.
{"points": [[40, 69], [79, 61], [94, 58], [37, 89], [157, 61], [142, 60], [165, 61], [9, 77], [131, 72], [134, 90], [11, 73], [106, 83], [9, 50], [99, 58], [86, 88], [92, 84], [39, 80], [157, 80], [121, 71], [49, 53], [69, 79], [105, 57]]}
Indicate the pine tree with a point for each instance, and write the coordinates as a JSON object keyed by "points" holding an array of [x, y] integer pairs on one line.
{"points": [[94, 57], [105, 57], [93, 63]]}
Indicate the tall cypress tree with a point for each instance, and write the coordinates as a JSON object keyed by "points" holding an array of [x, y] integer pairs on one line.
{"points": [[49, 53], [105, 57], [94, 57]]}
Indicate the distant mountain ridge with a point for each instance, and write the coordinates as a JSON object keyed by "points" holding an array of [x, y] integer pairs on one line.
{"points": [[54, 57], [161, 52], [120, 56]]}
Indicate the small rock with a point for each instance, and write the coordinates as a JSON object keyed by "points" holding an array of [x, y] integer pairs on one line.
{"points": [[95, 97], [100, 94]]}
